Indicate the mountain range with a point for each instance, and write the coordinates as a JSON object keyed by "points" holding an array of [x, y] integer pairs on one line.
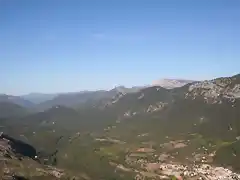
{"points": [[16, 100], [153, 132], [44, 101], [37, 98]]}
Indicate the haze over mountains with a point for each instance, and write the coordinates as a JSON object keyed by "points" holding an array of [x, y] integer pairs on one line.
{"points": [[166, 83], [16, 100], [37, 98], [40, 101]]}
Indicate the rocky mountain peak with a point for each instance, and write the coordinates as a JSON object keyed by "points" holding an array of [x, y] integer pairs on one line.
{"points": [[171, 83]]}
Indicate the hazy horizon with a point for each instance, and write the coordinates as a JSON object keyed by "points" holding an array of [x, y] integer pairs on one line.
{"points": [[70, 46], [107, 89]]}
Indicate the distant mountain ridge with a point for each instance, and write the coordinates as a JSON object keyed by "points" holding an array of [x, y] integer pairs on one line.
{"points": [[40, 101], [16, 100], [38, 97], [171, 83], [78, 98]]}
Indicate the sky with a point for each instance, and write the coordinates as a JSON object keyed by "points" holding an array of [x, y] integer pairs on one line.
{"points": [[52, 46]]}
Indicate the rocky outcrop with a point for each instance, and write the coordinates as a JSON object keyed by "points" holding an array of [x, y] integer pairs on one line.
{"points": [[156, 107], [16, 163], [8, 143], [216, 90]]}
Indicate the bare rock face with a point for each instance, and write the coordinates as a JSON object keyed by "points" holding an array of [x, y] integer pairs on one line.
{"points": [[171, 83], [216, 90], [156, 107]]}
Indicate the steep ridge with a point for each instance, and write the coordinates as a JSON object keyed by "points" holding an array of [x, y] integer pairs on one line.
{"points": [[18, 162], [18, 147]]}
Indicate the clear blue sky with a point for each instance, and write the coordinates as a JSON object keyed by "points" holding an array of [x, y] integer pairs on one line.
{"points": [[72, 45]]}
